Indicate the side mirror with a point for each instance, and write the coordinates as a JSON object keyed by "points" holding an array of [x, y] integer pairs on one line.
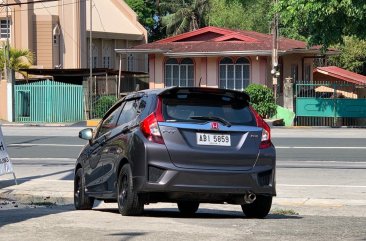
{"points": [[86, 134]]}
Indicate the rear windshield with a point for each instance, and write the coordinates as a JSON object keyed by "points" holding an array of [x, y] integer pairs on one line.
{"points": [[194, 107]]}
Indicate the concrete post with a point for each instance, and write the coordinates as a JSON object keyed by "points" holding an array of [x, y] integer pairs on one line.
{"points": [[10, 94], [288, 93]]}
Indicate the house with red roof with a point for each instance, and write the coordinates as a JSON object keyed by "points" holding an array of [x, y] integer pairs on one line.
{"points": [[354, 85], [225, 58]]}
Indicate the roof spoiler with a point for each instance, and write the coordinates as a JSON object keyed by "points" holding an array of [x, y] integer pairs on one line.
{"points": [[187, 90]]}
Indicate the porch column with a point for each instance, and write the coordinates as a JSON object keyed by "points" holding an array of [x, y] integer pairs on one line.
{"points": [[10, 94], [288, 94]]}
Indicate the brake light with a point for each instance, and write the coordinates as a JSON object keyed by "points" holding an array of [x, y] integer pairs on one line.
{"points": [[149, 126], [266, 130]]}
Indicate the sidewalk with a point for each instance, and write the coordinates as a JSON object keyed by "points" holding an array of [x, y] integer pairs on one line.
{"points": [[87, 123], [60, 192]]}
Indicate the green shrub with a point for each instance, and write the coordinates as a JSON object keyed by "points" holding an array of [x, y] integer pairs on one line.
{"points": [[262, 99], [102, 105]]}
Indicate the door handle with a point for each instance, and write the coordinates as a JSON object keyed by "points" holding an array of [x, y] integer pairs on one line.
{"points": [[125, 129]]}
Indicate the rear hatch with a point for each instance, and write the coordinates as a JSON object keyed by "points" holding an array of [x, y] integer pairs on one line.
{"points": [[211, 129]]}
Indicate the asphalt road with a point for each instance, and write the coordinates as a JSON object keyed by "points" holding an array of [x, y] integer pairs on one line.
{"points": [[322, 163], [64, 223], [311, 162], [317, 149]]}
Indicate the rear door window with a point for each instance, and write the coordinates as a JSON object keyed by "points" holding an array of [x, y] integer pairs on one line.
{"points": [[131, 110], [110, 121], [186, 107]]}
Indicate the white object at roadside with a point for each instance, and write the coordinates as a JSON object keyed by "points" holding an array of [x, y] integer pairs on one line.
{"points": [[5, 163]]}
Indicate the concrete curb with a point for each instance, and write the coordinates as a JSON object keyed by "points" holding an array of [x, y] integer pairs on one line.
{"points": [[29, 197], [95, 122], [40, 191], [35, 124], [60, 192], [88, 123], [92, 123]]}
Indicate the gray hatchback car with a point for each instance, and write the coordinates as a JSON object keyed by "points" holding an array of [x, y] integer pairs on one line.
{"points": [[182, 145]]}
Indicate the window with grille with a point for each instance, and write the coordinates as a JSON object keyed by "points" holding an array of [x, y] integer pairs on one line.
{"points": [[130, 62], [95, 57], [179, 73], [4, 28], [234, 75], [106, 57], [106, 62], [295, 72], [307, 75]]}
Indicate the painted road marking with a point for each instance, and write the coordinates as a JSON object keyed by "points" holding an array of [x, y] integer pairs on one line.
{"points": [[321, 147], [277, 147], [42, 159], [315, 185], [35, 144], [322, 162]]}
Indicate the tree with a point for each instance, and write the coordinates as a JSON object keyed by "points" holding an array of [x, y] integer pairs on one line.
{"points": [[353, 55], [147, 12], [168, 17], [18, 59], [183, 15], [252, 15], [322, 22]]}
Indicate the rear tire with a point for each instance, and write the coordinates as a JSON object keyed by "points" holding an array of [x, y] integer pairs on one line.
{"points": [[259, 208], [129, 203], [188, 208], [81, 199]]}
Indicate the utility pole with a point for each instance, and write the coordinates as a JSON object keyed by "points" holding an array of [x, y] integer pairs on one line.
{"points": [[90, 60], [275, 72]]}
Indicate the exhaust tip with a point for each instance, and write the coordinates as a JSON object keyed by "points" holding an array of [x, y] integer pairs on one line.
{"points": [[249, 197]]}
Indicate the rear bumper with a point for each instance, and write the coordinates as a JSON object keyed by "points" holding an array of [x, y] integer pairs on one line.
{"points": [[259, 180], [158, 176]]}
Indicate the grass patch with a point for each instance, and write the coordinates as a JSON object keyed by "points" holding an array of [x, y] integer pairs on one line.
{"points": [[284, 212]]}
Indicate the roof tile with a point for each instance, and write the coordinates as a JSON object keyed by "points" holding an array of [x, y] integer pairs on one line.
{"points": [[214, 39], [342, 74]]}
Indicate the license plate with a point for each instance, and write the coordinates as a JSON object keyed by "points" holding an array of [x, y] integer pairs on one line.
{"points": [[213, 139]]}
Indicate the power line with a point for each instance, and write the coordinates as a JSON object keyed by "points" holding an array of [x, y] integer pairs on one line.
{"points": [[14, 4], [43, 7]]}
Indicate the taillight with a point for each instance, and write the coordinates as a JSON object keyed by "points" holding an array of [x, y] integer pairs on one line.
{"points": [[149, 126], [266, 130]]}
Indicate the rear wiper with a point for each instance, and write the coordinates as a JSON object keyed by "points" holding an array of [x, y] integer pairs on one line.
{"points": [[214, 118]]}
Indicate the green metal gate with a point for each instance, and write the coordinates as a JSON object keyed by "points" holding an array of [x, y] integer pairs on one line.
{"points": [[49, 101], [328, 101]]}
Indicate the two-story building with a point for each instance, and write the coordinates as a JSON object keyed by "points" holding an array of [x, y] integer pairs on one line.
{"points": [[58, 33]]}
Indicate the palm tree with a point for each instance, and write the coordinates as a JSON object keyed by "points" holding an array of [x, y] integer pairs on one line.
{"points": [[183, 15], [18, 59]]}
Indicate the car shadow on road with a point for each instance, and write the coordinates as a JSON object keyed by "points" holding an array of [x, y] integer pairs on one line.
{"points": [[10, 182], [202, 213], [30, 141], [11, 213]]}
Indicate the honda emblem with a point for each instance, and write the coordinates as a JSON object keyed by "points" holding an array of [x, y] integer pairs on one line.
{"points": [[215, 125]]}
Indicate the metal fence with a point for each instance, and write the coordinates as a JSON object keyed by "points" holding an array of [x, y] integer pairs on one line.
{"points": [[329, 103], [48, 101], [103, 91]]}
